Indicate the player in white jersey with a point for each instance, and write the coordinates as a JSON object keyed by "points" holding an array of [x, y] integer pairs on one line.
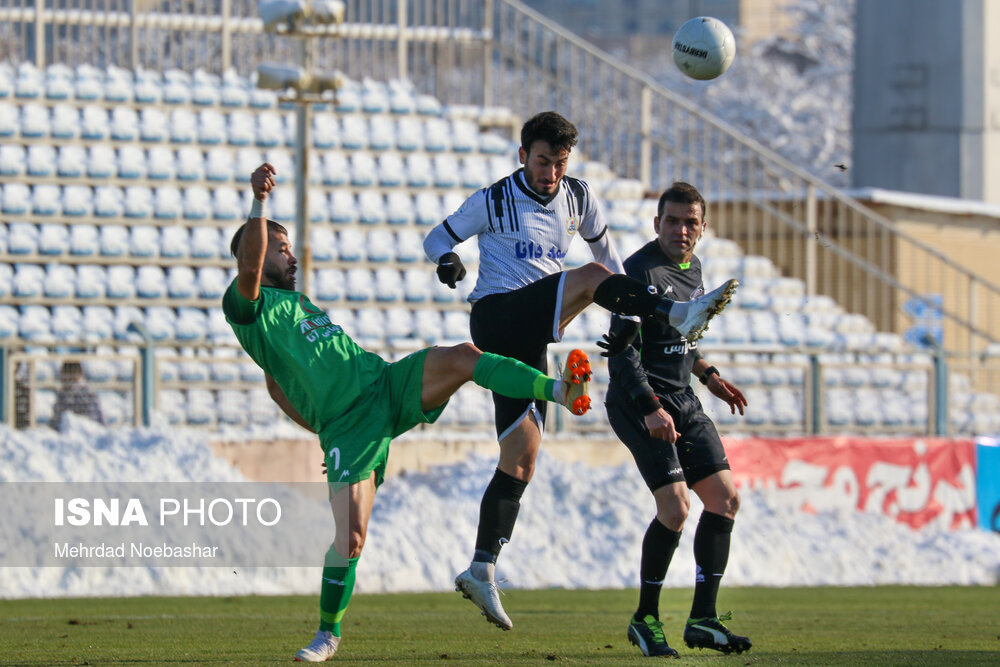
{"points": [[524, 299]]}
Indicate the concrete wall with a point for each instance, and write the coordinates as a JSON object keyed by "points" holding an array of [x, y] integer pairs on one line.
{"points": [[927, 97]]}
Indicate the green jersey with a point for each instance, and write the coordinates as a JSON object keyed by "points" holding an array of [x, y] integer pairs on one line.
{"points": [[320, 368]]}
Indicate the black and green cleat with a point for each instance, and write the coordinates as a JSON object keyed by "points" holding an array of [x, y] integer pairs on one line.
{"points": [[647, 634], [711, 633]]}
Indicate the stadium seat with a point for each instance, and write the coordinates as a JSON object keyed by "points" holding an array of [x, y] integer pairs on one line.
{"points": [[270, 130], [150, 282], [94, 123], [325, 131], [211, 128], [87, 86], [428, 209], [161, 323], [343, 209], [319, 211], [381, 133], [364, 172], [138, 202], [409, 134], [388, 285], [34, 121], [353, 132], [398, 325], [53, 239], [233, 95], [59, 281], [428, 105], [204, 243], [283, 164], [35, 324], [167, 203], [446, 171], [409, 246], [153, 125], [174, 242], [97, 323], [399, 208], [455, 326], [40, 161], [360, 285], [329, 284], [9, 321], [90, 281], [160, 163], [464, 136], [419, 170], [144, 241], [219, 165], [281, 205], [28, 281], [335, 170], [474, 173], [9, 123], [190, 164], [226, 204], [427, 325], [369, 327], [84, 240], [391, 170], [436, 135], [176, 90], [101, 162], [441, 293], [183, 126], [262, 99], [371, 208], [113, 240], [416, 285], [401, 100], [131, 162], [66, 322], [197, 203], [12, 160], [212, 282], [241, 128], [124, 125], [323, 243], [191, 325], [16, 199], [350, 245]]}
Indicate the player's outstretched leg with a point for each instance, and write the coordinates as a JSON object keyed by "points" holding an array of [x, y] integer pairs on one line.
{"points": [[691, 318], [322, 648], [712, 633], [512, 378], [648, 635]]}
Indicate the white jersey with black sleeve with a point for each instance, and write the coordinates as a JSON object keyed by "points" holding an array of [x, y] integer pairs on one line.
{"points": [[522, 236]]}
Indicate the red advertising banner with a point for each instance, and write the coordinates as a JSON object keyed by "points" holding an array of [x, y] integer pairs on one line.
{"points": [[918, 481]]}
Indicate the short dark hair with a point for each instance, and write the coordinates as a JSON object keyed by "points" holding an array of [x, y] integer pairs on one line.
{"points": [[680, 192], [272, 226], [551, 128]]}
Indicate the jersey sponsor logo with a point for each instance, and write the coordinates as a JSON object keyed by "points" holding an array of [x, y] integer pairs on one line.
{"points": [[318, 327], [571, 226], [532, 250], [679, 348]]}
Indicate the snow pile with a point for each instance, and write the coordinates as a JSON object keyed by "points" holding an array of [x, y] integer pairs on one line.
{"points": [[580, 527]]}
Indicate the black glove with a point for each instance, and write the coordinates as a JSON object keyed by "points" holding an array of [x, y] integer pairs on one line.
{"points": [[450, 269], [621, 335]]}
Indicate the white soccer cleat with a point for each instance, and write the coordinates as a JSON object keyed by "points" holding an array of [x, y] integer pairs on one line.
{"points": [[485, 595], [322, 648], [691, 318]]}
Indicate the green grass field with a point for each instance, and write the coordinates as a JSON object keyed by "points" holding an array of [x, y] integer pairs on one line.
{"points": [[819, 626]]}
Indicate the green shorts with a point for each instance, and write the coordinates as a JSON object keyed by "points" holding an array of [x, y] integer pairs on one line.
{"points": [[357, 441]]}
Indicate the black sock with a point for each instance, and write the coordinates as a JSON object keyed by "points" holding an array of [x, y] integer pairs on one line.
{"points": [[497, 514], [626, 296], [658, 548], [711, 554]]}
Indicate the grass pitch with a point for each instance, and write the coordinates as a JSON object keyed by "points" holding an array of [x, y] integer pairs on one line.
{"points": [[815, 626]]}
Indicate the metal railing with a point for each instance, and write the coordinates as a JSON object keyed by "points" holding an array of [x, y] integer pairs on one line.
{"points": [[502, 52]]}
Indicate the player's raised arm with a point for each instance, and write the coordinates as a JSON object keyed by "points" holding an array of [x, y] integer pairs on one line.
{"points": [[253, 243]]}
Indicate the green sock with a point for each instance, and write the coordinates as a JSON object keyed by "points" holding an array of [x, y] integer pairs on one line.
{"points": [[511, 378], [335, 594]]}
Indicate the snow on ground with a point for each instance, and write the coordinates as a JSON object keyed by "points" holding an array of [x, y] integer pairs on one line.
{"points": [[580, 527]]}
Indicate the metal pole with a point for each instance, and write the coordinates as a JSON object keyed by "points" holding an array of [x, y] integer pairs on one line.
{"points": [[6, 388], [40, 34], [147, 355], [134, 29], [816, 387], [303, 117], [227, 36], [645, 130], [488, 53], [940, 392], [402, 49], [811, 228]]}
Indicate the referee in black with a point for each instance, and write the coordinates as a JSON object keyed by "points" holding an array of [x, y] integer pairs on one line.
{"points": [[655, 413]]}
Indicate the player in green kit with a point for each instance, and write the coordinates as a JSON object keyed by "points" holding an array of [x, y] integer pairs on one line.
{"points": [[353, 399]]}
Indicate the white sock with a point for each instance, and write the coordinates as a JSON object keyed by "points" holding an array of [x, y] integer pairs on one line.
{"points": [[482, 571], [559, 391]]}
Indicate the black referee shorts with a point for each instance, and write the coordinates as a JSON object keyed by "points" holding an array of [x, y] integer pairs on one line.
{"points": [[697, 453], [518, 324]]}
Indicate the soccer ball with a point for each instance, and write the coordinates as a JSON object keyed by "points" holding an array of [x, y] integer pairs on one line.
{"points": [[704, 48]]}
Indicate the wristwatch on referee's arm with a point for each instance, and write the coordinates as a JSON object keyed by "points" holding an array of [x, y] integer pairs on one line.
{"points": [[709, 372]]}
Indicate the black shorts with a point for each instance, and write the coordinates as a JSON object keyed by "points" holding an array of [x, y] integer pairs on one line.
{"points": [[697, 454], [519, 324]]}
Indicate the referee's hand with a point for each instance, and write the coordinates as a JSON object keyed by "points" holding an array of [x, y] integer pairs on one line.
{"points": [[621, 335], [450, 269], [661, 425]]}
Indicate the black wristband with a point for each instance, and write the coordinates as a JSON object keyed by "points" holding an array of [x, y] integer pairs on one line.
{"points": [[647, 403], [709, 372]]}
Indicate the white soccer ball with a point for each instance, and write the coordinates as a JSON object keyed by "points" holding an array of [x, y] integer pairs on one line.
{"points": [[704, 48]]}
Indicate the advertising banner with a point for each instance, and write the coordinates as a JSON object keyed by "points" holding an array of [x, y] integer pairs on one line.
{"points": [[917, 481]]}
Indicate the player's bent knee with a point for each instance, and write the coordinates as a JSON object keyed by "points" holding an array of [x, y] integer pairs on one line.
{"points": [[357, 543]]}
